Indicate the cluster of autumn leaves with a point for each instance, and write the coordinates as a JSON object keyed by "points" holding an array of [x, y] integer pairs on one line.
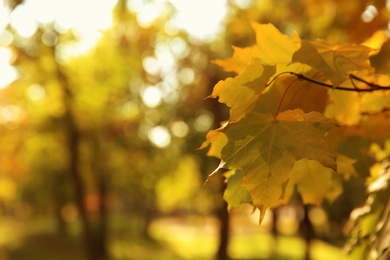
{"points": [[293, 108]]}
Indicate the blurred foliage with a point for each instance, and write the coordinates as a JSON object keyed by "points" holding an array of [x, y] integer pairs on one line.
{"points": [[144, 146]]}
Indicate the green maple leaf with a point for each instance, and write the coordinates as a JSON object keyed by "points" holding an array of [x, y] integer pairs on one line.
{"points": [[265, 148], [236, 194], [336, 61]]}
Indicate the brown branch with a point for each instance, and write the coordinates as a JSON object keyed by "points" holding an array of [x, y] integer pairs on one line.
{"points": [[373, 86]]}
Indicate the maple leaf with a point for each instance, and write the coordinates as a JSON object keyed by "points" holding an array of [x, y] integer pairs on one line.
{"points": [[239, 60], [343, 107], [313, 181], [266, 148], [336, 61], [272, 47], [345, 166], [217, 140], [302, 94], [241, 92], [235, 194], [374, 102]]}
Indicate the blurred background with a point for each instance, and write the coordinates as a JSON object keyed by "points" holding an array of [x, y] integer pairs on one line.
{"points": [[102, 109]]}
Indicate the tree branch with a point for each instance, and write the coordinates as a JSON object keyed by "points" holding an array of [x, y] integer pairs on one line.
{"points": [[372, 86]]}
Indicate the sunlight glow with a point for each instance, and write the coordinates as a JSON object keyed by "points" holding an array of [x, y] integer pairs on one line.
{"points": [[9, 73], [49, 38], [165, 58], [159, 136], [149, 13], [151, 96], [85, 18], [180, 129], [6, 37], [204, 122], [179, 47], [36, 92], [129, 110], [243, 4], [187, 75], [202, 19], [10, 114], [86, 15], [4, 14], [151, 65], [369, 14], [22, 21]]}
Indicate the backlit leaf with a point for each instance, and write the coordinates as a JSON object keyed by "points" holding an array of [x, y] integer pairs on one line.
{"points": [[345, 166], [343, 107], [375, 102], [266, 148], [301, 94], [313, 181], [235, 194], [239, 60], [241, 92], [272, 46], [336, 61], [217, 140]]}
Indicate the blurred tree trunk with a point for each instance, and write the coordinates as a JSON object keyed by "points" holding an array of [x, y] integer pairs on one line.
{"points": [[307, 231], [102, 183], [222, 213], [58, 196], [101, 236], [73, 140], [224, 231]]}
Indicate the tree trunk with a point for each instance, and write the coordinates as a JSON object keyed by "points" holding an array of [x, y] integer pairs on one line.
{"points": [[58, 202], [307, 231], [224, 231], [222, 212], [102, 186], [73, 140], [101, 236]]}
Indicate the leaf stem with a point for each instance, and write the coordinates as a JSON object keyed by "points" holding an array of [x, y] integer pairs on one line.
{"points": [[283, 96]]}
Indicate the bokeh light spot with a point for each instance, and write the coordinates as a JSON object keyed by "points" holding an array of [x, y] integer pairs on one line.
{"points": [[151, 96], [49, 38], [36, 92], [159, 136], [151, 65], [22, 22], [179, 47], [187, 75], [10, 114], [180, 129], [204, 122], [9, 73], [202, 19], [369, 14]]}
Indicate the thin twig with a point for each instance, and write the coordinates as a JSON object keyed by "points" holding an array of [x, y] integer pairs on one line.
{"points": [[373, 86], [284, 95]]}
